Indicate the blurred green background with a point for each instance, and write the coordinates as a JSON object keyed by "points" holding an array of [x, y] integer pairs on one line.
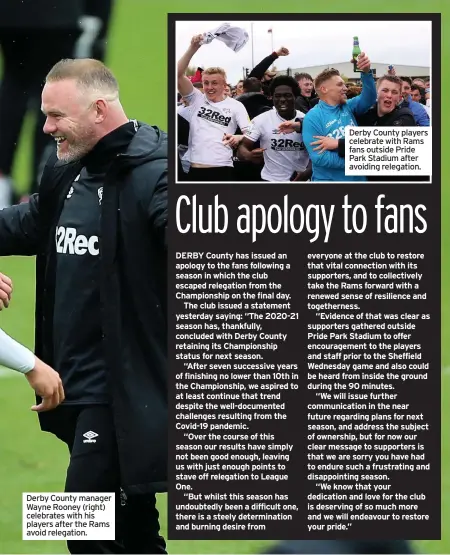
{"points": [[137, 53]]}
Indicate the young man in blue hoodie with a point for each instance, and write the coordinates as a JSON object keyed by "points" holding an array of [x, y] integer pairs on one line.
{"points": [[332, 114]]}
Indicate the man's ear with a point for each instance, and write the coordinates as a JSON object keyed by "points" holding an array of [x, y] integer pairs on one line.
{"points": [[101, 108]]}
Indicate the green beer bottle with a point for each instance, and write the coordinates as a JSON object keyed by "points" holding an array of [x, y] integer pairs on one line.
{"points": [[355, 53]]}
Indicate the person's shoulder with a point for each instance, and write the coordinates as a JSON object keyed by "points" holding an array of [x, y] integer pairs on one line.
{"points": [[181, 110], [195, 98], [195, 93], [234, 104], [314, 113], [148, 144], [231, 100], [418, 106], [264, 117], [145, 131]]}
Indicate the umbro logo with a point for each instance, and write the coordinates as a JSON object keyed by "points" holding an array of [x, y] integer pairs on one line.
{"points": [[90, 437]]}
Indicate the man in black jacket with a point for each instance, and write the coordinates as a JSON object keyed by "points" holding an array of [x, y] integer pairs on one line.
{"points": [[253, 98], [307, 98], [386, 111], [261, 70], [98, 228], [256, 103]]}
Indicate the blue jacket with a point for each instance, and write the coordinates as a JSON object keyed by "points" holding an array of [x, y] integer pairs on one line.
{"points": [[420, 114], [330, 121]]}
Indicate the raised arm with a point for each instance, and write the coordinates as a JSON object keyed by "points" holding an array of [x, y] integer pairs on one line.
{"points": [[361, 103], [259, 70], [185, 86]]}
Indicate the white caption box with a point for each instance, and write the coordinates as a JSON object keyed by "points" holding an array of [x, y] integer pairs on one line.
{"points": [[68, 516], [390, 151]]}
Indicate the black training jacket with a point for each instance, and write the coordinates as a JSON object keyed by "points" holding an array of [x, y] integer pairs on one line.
{"points": [[133, 293]]}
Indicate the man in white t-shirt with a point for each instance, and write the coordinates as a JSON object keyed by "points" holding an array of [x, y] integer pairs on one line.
{"points": [[213, 118], [43, 379], [285, 155]]}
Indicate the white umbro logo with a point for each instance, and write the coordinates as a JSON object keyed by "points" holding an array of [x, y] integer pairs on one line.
{"points": [[100, 195], [90, 437]]}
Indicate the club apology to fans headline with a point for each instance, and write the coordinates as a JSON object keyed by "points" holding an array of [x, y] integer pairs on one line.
{"points": [[316, 219]]}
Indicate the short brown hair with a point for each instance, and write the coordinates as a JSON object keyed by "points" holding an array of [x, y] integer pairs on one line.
{"points": [[214, 70], [324, 76], [299, 76], [88, 73], [407, 79], [251, 84], [392, 78]]}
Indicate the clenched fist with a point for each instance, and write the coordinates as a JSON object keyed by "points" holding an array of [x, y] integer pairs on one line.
{"points": [[196, 41], [283, 51]]}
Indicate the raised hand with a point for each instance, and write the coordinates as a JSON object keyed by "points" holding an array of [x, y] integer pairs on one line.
{"points": [[363, 63], [283, 51]]}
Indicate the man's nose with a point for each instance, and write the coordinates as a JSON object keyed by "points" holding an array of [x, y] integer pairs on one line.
{"points": [[49, 127]]}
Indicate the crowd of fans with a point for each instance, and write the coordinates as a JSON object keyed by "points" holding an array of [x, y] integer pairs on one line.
{"points": [[279, 128]]}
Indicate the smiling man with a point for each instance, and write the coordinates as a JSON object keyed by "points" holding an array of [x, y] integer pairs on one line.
{"points": [[213, 118], [306, 100], [285, 155], [332, 115], [98, 227]]}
